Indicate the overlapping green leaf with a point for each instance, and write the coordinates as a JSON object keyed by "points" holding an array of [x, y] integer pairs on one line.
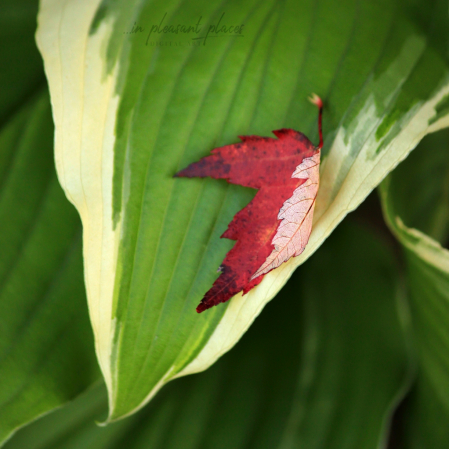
{"points": [[46, 351], [323, 367], [415, 201], [133, 108]]}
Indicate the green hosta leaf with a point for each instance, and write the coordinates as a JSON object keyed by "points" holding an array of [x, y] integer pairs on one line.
{"points": [[415, 202], [322, 368], [46, 354], [423, 420], [129, 115]]}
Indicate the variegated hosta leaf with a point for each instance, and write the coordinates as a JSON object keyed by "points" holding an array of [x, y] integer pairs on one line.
{"points": [[416, 207], [132, 108]]}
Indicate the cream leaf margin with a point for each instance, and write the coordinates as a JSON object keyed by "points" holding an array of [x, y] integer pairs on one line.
{"points": [[84, 106], [422, 245]]}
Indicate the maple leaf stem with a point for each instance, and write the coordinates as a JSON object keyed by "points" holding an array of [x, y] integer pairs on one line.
{"points": [[316, 100], [320, 129]]}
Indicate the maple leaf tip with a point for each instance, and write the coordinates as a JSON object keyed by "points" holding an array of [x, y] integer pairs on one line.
{"points": [[202, 306], [316, 100]]}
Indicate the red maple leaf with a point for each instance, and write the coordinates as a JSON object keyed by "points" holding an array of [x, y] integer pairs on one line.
{"points": [[276, 224]]}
